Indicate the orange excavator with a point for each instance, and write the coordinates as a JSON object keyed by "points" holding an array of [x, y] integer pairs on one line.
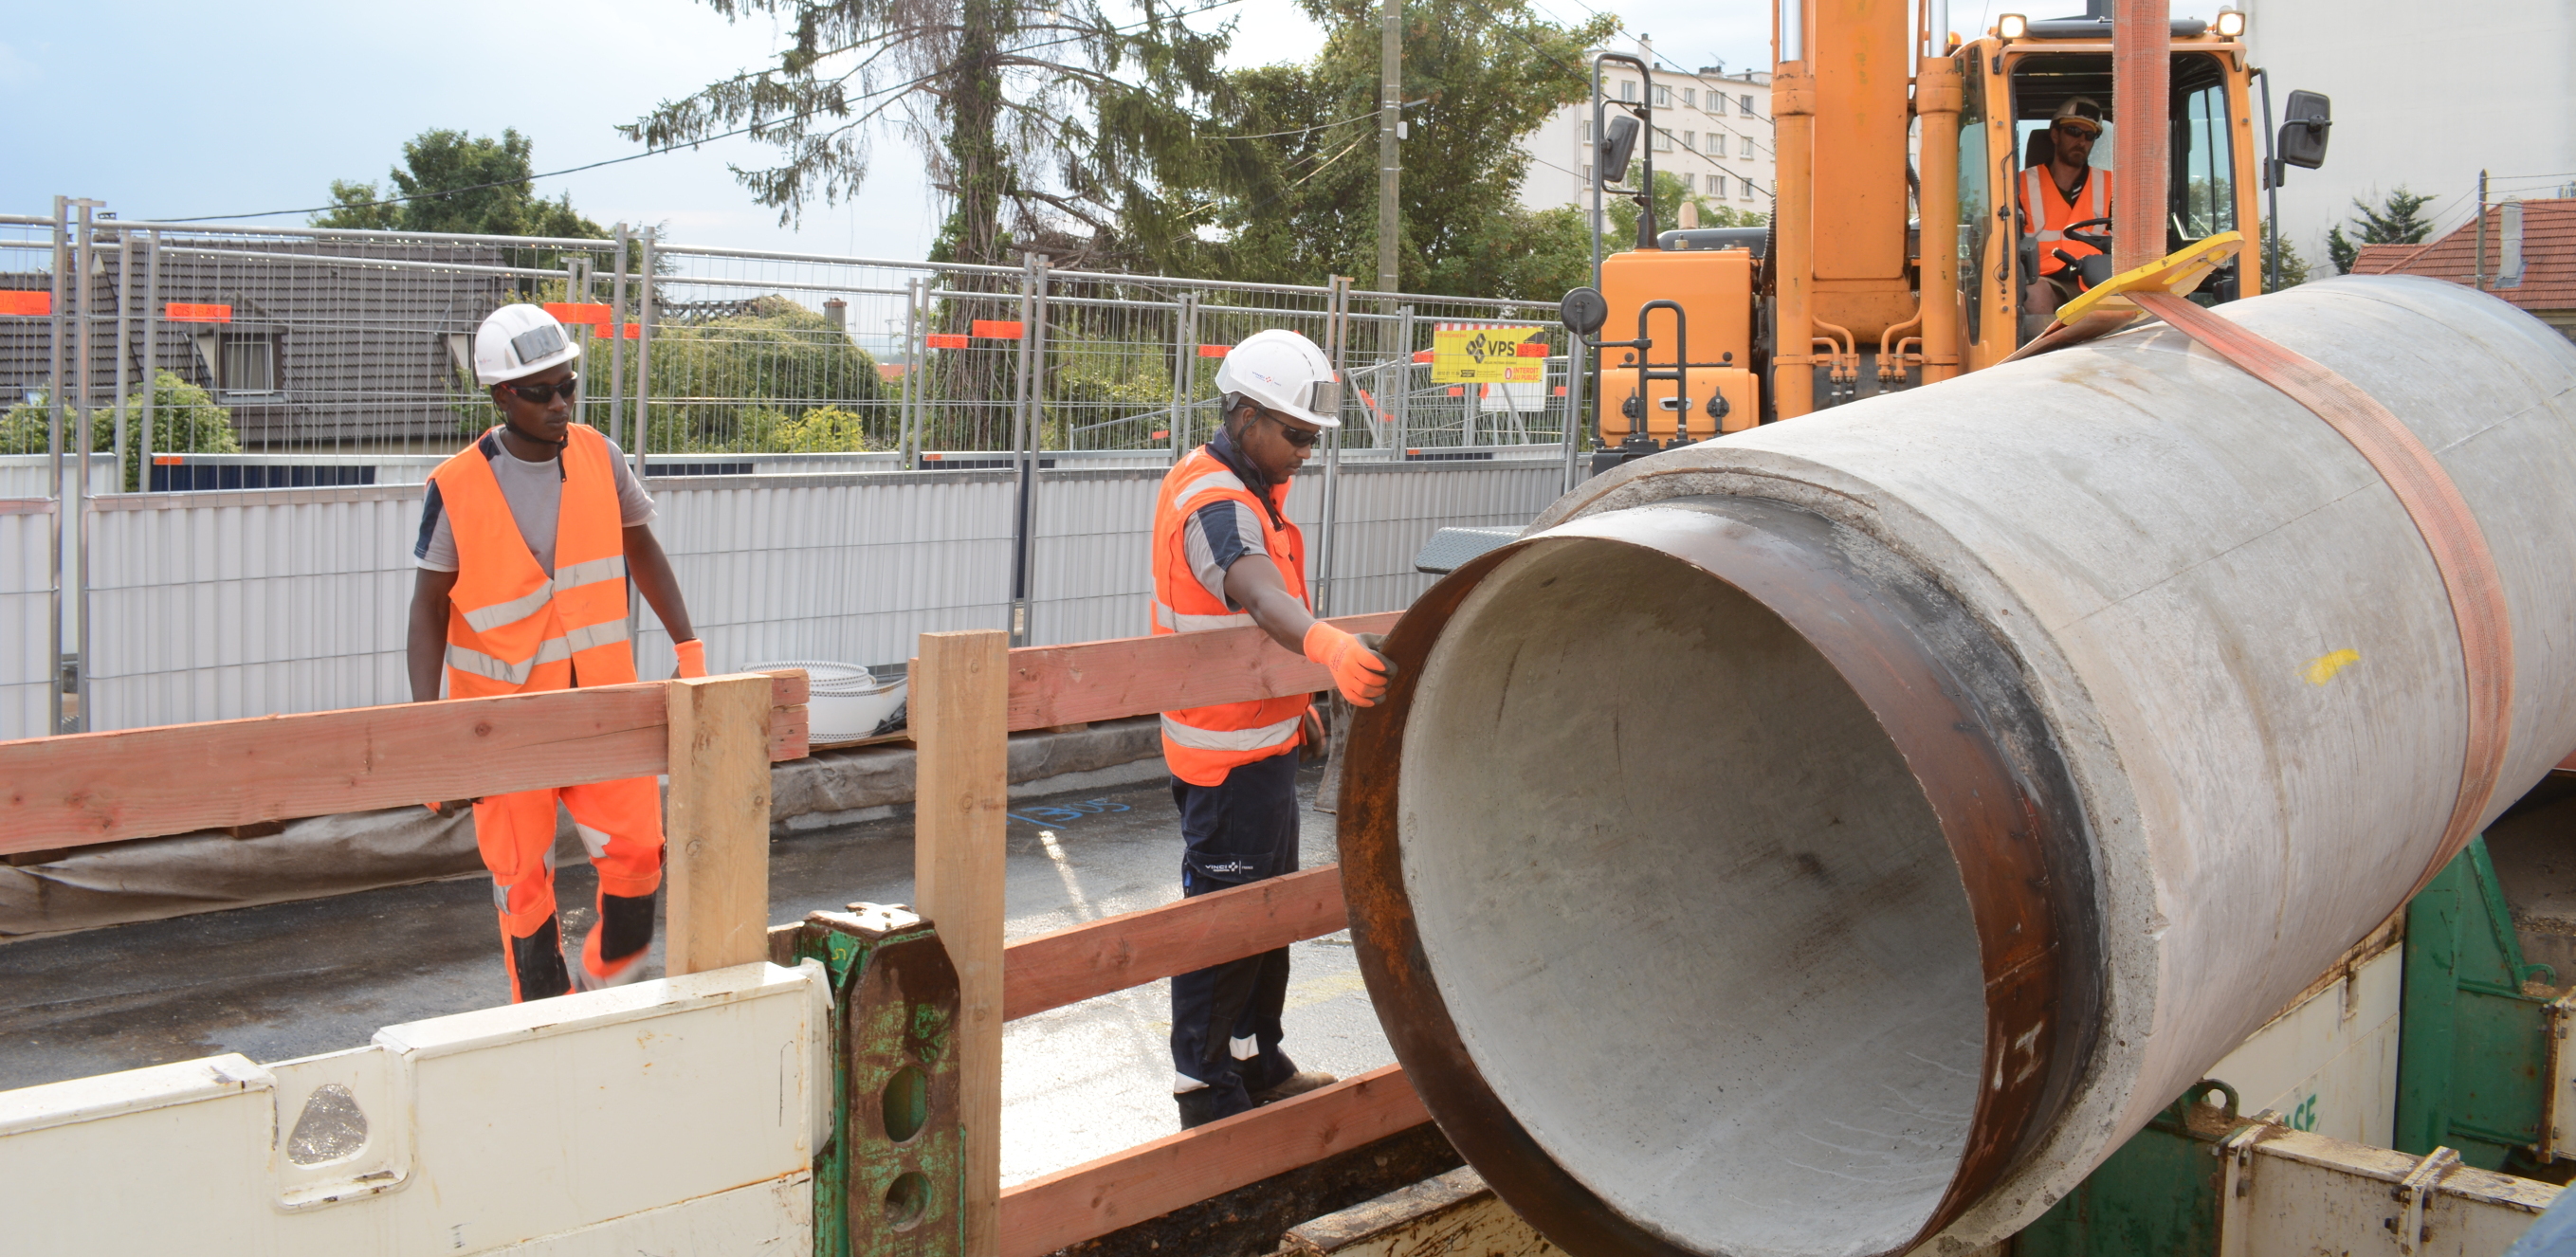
{"points": [[1898, 253]]}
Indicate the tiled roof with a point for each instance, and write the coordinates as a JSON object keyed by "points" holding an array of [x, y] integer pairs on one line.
{"points": [[2548, 256]]}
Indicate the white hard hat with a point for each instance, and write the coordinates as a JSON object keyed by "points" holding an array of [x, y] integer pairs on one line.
{"points": [[1283, 371], [519, 340]]}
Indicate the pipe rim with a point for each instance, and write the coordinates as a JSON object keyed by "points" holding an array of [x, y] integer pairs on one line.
{"points": [[2005, 802]]}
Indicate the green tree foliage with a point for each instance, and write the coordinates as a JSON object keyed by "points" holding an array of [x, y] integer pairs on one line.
{"points": [[1620, 209], [774, 377], [2282, 256], [1041, 121], [454, 182], [1283, 185], [185, 420], [2398, 220]]}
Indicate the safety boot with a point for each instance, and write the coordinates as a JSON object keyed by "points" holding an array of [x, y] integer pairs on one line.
{"points": [[613, 955], [536, 963], [1295, 1084]]}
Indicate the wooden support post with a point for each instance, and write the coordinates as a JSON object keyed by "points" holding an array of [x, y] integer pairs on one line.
{"points": [[960, 691], [717, 823]]}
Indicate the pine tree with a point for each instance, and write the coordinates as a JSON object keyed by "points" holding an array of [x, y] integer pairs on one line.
{"points": [[2282, 258], [1040, 121], [2398, 220]]}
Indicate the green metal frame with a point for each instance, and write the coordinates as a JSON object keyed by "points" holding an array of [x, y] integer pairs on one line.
{"points": [[891, 1180], [2473, 1051], [2473, 1072], [2155, 1197]]}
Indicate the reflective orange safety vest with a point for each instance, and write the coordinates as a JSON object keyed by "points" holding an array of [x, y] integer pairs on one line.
{"points": [[2039, 192], [1203, 744], [510, 627]]}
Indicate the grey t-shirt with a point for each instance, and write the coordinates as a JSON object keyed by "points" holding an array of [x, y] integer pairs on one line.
{"points": [[535, 494]]}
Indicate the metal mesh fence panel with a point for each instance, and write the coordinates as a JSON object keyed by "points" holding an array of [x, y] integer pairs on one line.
{"points": [[846, 451]]}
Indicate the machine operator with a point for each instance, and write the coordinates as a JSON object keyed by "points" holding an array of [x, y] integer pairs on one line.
{"points": [[1226, 554], [527, 540], [2064, 190]]}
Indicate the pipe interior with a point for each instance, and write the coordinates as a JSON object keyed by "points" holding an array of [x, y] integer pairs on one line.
{"points": [[1693, 918]]}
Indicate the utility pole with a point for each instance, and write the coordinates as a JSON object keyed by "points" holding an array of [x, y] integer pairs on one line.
{"points": [[1390, 117], [2479, 280]]}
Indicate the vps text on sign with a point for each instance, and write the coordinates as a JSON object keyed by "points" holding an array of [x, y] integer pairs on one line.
{"points": [[1484, 353]]}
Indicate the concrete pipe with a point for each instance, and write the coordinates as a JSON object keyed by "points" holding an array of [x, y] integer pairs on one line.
{"points": [[1838, 837]]}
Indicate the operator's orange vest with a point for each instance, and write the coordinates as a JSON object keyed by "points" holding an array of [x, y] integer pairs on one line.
{"points": [[510, 627], [2048, 213], [1202, 744]]}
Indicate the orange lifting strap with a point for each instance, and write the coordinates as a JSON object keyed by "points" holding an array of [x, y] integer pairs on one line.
{"points": [[2440, 516]]}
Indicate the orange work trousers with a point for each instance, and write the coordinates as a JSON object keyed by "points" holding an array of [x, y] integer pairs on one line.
{"points": [[620, 823]]}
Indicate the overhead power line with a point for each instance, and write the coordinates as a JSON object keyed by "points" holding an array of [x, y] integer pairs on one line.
{"points": [[650, 152]]}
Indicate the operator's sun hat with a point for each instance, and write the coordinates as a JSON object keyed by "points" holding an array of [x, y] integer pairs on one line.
{"points": [[1285, 372], [519, 340], [2082, 113]]}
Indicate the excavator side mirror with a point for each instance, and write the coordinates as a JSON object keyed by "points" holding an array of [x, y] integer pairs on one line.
{"points": [[2304, 123], [1583, 311], [1618, 140]]}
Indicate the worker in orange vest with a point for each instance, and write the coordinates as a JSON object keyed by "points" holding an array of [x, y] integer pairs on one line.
{"points": [[527, 540], [1225, 555], [2064, 190]]}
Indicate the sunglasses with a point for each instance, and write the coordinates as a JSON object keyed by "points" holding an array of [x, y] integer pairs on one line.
{"points": [[1302, 438], [541, 394]]}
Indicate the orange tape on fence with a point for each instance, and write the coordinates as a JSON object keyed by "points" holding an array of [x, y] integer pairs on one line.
{"points": [[594, 313], [999, 329], [945, 340], [1214, 351], [29, 305], [184, 312]]}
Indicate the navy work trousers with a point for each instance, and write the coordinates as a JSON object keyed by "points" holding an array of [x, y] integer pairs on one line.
{"points": [[1225, 1018]]}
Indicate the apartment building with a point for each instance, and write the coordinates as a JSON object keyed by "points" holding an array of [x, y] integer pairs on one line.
{"points": [[1712, 130]]}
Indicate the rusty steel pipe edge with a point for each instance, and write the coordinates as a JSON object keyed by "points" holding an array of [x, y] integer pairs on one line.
{"points": [[1956, 709]]}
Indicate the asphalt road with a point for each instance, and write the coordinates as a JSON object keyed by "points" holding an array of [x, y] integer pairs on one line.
{"points": [[288, 980]]}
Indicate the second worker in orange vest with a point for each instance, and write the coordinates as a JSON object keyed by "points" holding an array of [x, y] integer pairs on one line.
{"points": [[527, 540], [1227, 555]]}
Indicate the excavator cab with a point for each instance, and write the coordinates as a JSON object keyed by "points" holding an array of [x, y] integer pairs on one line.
{"points": [[2014, 85], [1899, 253]]}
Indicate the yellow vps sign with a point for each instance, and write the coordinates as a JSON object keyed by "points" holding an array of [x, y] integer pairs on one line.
{"points": [[1485, 353]]}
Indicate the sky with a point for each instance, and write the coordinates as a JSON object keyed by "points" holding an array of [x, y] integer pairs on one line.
{"points": [[232, 110]]}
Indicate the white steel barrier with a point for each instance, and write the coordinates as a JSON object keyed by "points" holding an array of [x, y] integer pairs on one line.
{"points": [[31, 475], [678, 1115], [844, 568], [220, 605], [26, 595], [214, 606]]}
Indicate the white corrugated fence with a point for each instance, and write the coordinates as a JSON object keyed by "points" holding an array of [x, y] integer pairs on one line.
{"points": [[218, 605]]}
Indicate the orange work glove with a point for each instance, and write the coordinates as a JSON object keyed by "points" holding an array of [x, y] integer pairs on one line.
{"points": [[1358, 672], [693, 656]]}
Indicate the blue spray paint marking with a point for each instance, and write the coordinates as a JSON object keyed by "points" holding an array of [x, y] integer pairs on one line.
{"points": [[1067, 813]]}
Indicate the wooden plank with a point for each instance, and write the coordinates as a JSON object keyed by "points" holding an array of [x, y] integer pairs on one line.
{"points": [[142, 783], [1135, 676], [789, 687], [716, 823], [787, 734], [1453, 1213], [1152, 1179], [175, 779], [1133, 948], [961, 796]]}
